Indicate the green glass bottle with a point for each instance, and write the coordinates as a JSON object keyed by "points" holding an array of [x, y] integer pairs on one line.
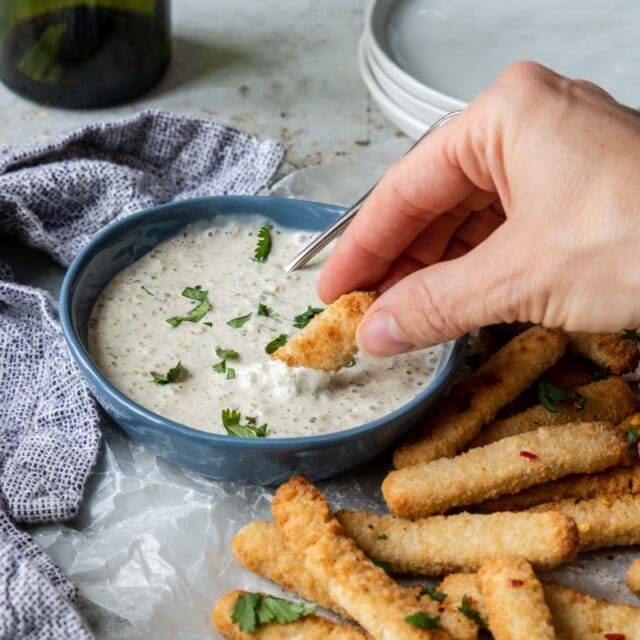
{"points": [[83, 53]]}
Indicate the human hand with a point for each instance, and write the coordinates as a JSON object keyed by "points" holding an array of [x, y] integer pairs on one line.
{"points": [[526, 207]]}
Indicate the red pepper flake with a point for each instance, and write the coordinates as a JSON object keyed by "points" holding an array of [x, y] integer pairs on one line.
{"points": [[440, 609], [516, 583], [615, 636], [472, 600], [528, 455]]}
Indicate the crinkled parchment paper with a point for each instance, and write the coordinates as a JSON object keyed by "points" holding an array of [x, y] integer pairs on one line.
{"points": [[152, 543]]}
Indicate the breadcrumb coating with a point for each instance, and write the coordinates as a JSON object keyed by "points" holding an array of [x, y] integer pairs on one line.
{"points": [[506, 466], [633, 577], [608, 350], [328, 342], [609, 400], [444, 544], [514, 600], [365, 591], [475, 402], [311, 627]]}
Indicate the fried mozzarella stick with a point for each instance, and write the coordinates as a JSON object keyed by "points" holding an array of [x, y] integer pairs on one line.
{"points": [[311, 627], [259, 547], [619, 481], [609, 400], [576, 615], [444, 544], [475, 402], [370, 597], [505, 466], [608, 521], [328, 342], [633, 577], [514, 600], [607, 350]]}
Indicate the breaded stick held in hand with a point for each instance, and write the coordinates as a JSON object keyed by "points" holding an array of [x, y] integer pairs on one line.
{"points": [[259, 547], [615, 482], [443, 544], [609, 400], [311, 627], [607, 521], [328, 342], [514, 600], [608, 350], [633, 577], [506, 466], [475, 402], [379, 604]]}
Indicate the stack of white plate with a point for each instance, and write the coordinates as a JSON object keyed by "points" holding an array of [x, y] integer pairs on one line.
{"points": [[423, 58]]}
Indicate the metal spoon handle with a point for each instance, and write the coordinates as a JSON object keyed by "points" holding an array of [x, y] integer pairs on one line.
{"points": [[334, 230]]}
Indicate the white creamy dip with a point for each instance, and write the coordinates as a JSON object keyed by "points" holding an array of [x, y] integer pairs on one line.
{"points": [[129, 337]]}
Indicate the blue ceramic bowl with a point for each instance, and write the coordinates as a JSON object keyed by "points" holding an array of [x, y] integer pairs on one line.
{"points": [[262, 461]]}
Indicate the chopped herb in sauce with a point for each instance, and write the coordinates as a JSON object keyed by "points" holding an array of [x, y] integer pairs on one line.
{"points": [[227, 354], [231, 420], [434, 594], [146, 290], [276, 343], [236, 323], [302, 320], [550, 396], [209, 324], [263, 248], [221, 367], [265, 311], [252, 610], [467, 609], [231, 373], [423, 620], [171, 376], [198, 312], [351, 363]]}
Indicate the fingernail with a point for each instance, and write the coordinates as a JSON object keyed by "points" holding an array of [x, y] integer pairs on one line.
{"points": [[382, 336]]}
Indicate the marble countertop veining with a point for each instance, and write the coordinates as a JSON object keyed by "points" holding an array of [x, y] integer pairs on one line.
{"points": [[284, 68]]}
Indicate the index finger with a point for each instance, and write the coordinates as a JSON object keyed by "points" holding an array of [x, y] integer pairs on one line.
{"points": [[419, 187]]}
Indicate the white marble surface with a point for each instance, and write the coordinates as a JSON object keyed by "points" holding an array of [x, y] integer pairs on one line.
{"points": [[283, 68]]}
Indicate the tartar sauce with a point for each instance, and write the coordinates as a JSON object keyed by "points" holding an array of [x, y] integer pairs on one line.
{"points": [[129, 337]]}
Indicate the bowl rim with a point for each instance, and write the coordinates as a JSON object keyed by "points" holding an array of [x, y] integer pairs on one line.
{"points": [[86, 365], [394, 70]]}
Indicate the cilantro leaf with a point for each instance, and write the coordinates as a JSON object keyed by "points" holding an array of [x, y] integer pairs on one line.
{"points": [[630, 334], [251, 610], [550, 396], [351, 363], [434, 594], [244, 611], [171, 376], [231, 373], [231, 422], [633, 437], [272, 609], [382, 536], [276, 343], [198, 312], [220, 367], [265, 311], [423, 620], [209, 324], [473, 614], [236, 323], [263, 248], [227, 354], [146, 290], [383, 564], [302, 320]]}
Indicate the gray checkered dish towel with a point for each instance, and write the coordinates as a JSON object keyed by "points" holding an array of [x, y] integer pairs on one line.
{"points": [[54, 196]]}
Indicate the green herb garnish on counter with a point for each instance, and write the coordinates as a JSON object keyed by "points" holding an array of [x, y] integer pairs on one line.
{"points": [[198, 312]]}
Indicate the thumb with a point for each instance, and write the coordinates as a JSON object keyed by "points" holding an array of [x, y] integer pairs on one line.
{"points": [[446, 300]]}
